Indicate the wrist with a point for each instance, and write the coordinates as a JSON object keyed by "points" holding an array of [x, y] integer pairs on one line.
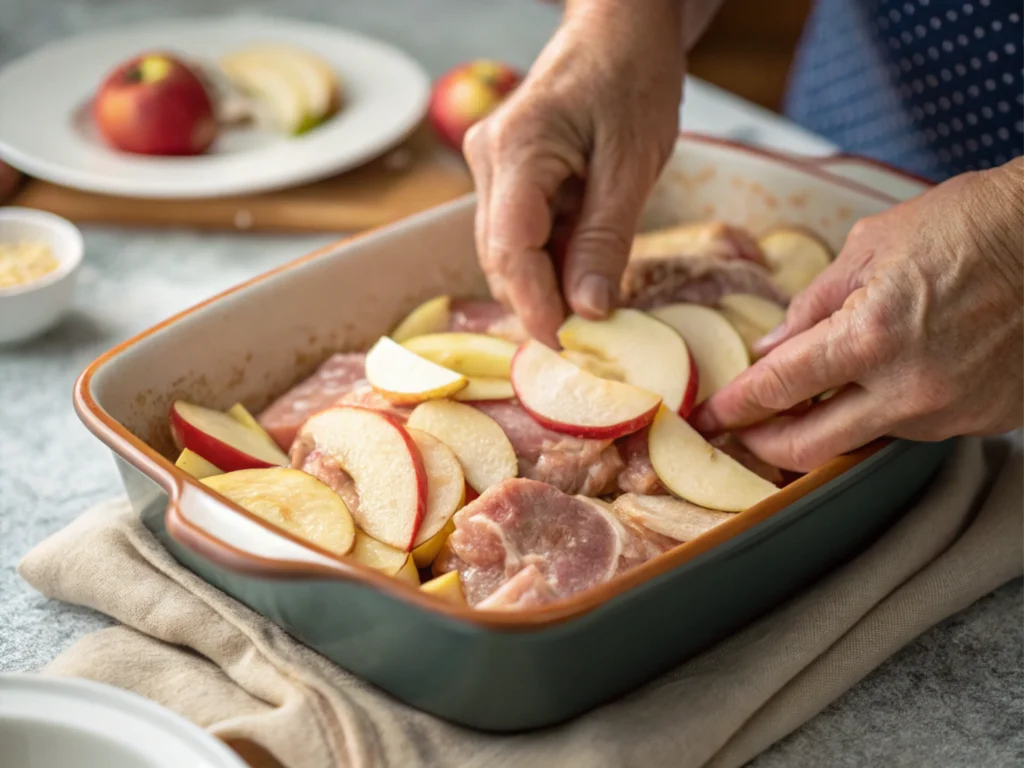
{"points": [[1000, 192]]}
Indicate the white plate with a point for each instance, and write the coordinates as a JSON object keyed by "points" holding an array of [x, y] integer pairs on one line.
{"points": [[44, 130], [51, 722]]}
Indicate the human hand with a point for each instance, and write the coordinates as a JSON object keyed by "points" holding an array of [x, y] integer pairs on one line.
{"points": [[918, 320], [9, 180], [575, 151]]}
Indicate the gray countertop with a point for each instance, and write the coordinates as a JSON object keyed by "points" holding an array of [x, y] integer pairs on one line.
{"points": [[954, 697]]}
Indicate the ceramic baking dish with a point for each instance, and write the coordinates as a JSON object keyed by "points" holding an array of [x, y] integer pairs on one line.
{"points": [[489, 670]]}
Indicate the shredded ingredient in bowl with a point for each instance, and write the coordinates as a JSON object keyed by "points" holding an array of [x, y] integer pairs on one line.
{"points": [[24, 262]]}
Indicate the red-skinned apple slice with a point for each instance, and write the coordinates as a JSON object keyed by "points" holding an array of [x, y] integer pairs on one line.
{"points": [[714, 343], [385, 464], [404, 377], [693, 469], [567, 399], [479, 443], [222, 440], [651, 355], [446, 484], [795, 256]]}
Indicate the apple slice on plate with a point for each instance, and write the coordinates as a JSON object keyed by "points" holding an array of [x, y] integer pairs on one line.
{"points": [[379, 556], [404, 377], [222, 440], [195, 465], [651, 355], [717, 347], [752, 316], [471, 354], [446, 485], [479, 443], [482, 388], [432, 316], [795, 256], [693, 469], [447, 587], [272, 86], [293, 501], [385, 464], [567, 399]]}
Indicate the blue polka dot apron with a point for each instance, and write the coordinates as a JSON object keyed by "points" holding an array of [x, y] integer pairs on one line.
{"points": [[932, 86]]}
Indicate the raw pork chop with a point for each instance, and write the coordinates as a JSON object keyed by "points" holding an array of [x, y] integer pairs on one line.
{"points": [[486, 316], [652, 282], [367, 397], [679, 520], [574, 543], [571, 464], [324, 468], [339, 374]]}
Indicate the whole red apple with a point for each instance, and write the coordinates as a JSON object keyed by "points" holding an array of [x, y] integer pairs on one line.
{"points": [[468, 93], [155, 105]]}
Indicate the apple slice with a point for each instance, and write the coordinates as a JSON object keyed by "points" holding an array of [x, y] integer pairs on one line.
{"points": [[432, 316], [694, 470], [447, 587], [597, 365], [752, 316], [310, 74], [565, 398], [717, 347], [222, 440], [482, 388], [425, 554], [240, 414], [479, 443], [272, 86], [795, 256], [293, 501], [651, 355], [446, 485], [385, 464], [379, 556], [697, 239], [195, 465], [405, 377], [471, 354]]}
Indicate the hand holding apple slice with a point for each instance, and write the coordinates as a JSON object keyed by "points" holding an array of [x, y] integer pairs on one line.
{"points": [[795, 256], [446, 485], [651, 355], [405, 377], [222, 440], [294, 502], [695, 470], [471, 354], [385, 464], [718, 349], [479, 443], [565, 398], [432, 316]]}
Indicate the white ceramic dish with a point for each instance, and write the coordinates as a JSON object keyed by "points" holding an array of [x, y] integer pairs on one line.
{"points": [[49, 722], [45, 131], [28, 310]]}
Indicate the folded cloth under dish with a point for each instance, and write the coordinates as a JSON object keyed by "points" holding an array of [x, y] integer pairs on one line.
{"points": [[197, 651]]}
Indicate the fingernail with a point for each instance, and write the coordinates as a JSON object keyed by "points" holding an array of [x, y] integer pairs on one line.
{"points": [[593, 295], [770, 339]]}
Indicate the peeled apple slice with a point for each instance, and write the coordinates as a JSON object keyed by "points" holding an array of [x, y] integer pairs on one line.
{"points": [[195, 465], [316, 79], [752, 316], [275, 88], [294, 502], [379, 556], [426, 553], [405, 377], [432, 316], [795, 257], [222, 440], [471, 354], [448, 587], [480, 388]]}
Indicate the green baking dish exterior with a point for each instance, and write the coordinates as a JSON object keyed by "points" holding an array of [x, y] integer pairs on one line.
{"points": [[514, 681]]}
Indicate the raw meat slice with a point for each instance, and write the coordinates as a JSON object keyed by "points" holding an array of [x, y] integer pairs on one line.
{"points": [[653, 282], [339, 374], [571, 464], [574, 542], [668, 516], [638, 475], [526, 589], [486, 316], [367, 397], [325, 469], [730, 444]]}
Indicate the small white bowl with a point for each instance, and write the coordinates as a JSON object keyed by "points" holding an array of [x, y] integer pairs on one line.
{"points": [[29, 309]]}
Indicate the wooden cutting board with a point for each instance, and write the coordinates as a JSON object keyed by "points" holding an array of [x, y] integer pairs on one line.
{"points": [[416, 175]]}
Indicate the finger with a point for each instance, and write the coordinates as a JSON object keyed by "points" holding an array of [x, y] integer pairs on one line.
{"points": [[849, 420], [803, 367], [474, 150], [601, 240], [817, 301], [9, 181], [518, 229]]}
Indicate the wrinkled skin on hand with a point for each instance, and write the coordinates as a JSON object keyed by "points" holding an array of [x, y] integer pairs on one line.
{"points": [[918, 321], [9, 180], [576, 149]]}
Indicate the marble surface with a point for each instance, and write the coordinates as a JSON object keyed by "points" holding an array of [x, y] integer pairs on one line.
{"points": [[954, 697]]}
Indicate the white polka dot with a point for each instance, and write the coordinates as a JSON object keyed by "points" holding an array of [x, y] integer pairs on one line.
{"points": [[944, 103], [984, 3], [997, 25], [1020, 99], [986, 112], [908, 8], [918, 59], [984, 163], [972, 145], [920, 30], [973, 91], [951, 15], [1003, 134], [972, 119], [947, 46], [917, 113], [943, 129], [968, 9], [895, 15], [1003, 107], [929, 108], [957, 123], [906, 37], [944, 155], [990, 84], [975, 63], [958, 151], [962, 39], [1018, 126], [986, 140], [923, 3], [932, 80], [946, 75], [993, 56], [960, 69], [1014, 18], [979, 32], [958, 97], [1007, 78], [1010, 48], [933, 52]]}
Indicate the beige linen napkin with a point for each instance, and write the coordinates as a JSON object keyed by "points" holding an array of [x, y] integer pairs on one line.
{"points": [[191, 648]]}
